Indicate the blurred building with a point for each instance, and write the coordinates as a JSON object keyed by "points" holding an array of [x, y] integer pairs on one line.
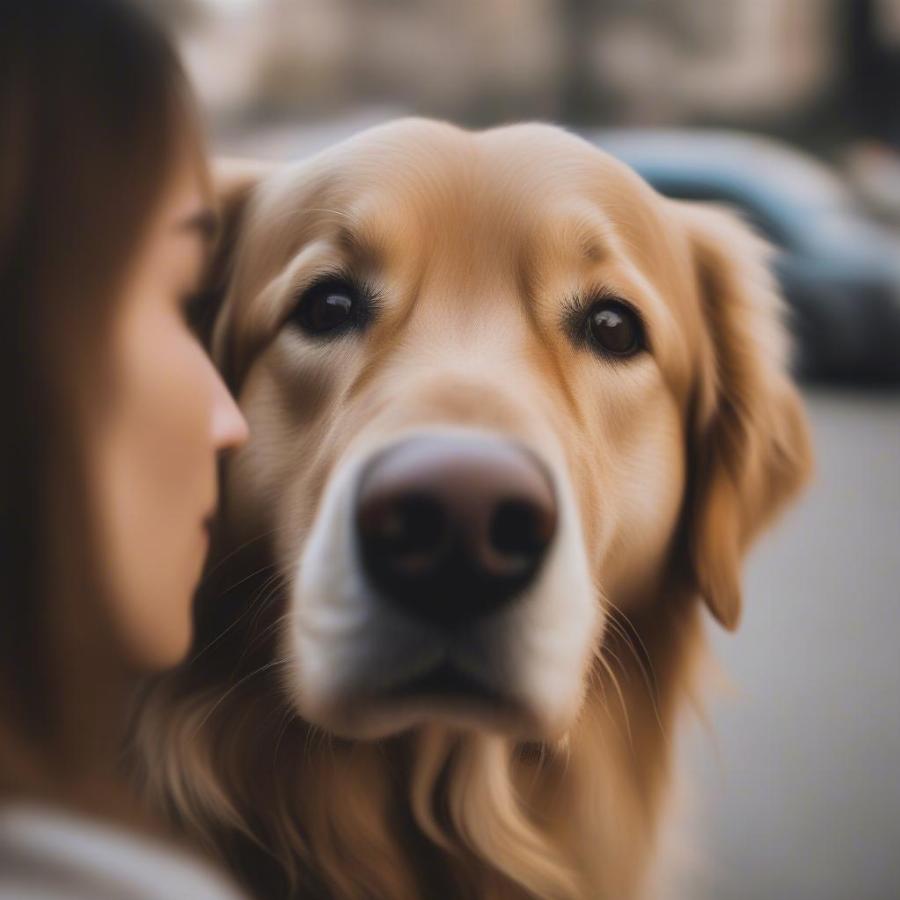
{"points": [[772, 64]]}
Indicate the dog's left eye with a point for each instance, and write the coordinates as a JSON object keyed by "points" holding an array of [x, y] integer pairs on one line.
{"points": [[328, 307], [614, 328]]}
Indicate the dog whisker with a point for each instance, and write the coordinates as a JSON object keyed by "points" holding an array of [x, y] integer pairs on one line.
{"points": [[243, 614], [288, 717], [221, 561], [621, 625], [272, 664], [601, 658]]}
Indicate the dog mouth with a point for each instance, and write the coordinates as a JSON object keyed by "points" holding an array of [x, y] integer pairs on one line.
{"points": [[444, 692], [446, 681]]}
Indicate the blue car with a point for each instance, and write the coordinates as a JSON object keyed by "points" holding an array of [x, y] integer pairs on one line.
{"points": [[838, 268]]}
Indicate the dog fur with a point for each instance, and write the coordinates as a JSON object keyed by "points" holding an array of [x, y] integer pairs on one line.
{"points": [[666, 465]]}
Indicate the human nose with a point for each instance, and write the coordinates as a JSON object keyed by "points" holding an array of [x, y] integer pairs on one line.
{"points": [[229, 427]]}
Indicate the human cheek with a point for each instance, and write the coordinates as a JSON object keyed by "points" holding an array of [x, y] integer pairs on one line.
{"points": [[199, 398]]}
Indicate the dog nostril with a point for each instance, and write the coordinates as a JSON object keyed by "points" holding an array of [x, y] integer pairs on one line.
{"points": [[451, 529], [407, 533], [519, 533], [519, 528]]}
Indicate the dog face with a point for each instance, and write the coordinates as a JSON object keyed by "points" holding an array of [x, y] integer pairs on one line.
{"points": [[484, 381]]}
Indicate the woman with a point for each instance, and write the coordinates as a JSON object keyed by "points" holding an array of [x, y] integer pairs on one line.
{"points": [[114, 417]]}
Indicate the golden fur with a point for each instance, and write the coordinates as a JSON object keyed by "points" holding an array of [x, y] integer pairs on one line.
{"points": [[672, 463]]}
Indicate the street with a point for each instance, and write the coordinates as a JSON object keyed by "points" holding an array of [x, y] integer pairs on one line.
{"points": [[798, 784]]}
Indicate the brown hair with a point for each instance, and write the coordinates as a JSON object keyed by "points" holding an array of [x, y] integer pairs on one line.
{"points": [[94, 109]]}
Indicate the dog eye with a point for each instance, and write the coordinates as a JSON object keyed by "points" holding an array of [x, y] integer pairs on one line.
{"points": [[614, 328], [327, 307]]}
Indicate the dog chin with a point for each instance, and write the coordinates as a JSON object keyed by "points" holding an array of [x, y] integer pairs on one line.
{"points": [[378, 722], [368, 717]]}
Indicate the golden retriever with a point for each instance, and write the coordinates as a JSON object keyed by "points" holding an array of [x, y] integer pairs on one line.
{"points": [[513, 414]]}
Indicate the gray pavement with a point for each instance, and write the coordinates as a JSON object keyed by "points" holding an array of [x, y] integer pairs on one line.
{"points": [[799, 785]]}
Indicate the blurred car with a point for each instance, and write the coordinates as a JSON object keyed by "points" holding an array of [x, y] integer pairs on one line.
{"points": [[838, 268]]}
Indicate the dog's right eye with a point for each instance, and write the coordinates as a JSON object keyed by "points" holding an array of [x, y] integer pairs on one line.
{"points": [[328, 307]]}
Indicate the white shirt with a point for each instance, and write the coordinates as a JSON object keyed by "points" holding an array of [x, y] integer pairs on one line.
{"points": [[49, 854]]}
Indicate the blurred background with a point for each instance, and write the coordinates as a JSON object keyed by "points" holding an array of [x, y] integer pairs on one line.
{"points": [[788, 110]]}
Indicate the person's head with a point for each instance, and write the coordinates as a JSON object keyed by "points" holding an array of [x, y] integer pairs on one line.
{"points": [[116, 413]]}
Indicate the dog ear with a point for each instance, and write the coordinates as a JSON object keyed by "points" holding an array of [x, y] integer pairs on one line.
{"points": [[750, 445], [233, 182]]}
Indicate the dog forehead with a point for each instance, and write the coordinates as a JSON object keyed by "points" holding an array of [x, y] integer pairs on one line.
{"points": [[527, 205], [423, 179]]}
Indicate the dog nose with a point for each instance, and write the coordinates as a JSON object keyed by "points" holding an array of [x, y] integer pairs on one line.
{"points": [[452, 528]]}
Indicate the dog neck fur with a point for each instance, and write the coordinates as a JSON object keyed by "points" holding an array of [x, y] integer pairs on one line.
{"points": [[435, 813]]}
